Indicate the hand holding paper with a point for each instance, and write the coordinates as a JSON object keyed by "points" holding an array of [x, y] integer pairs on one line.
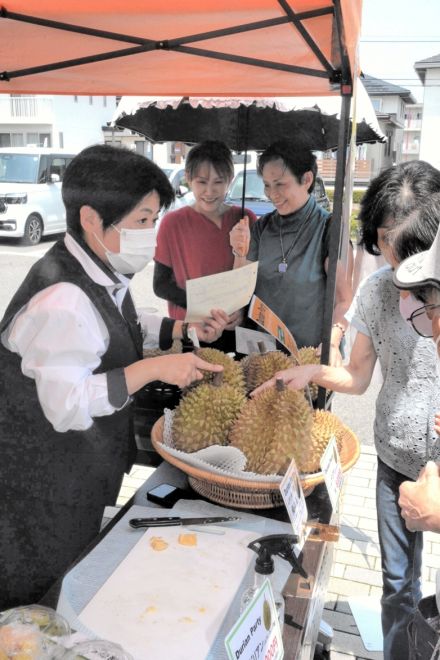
{"points": [[228, 291]]}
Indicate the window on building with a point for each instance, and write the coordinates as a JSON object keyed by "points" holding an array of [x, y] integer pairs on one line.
{"points": [[90, 100], [75, 99], [17, 140], [5, 139], [32, 139], [61, 139], [45, 140], [377, 104], [104, 101]]}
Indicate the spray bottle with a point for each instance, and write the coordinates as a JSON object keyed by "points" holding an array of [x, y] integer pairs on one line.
{"points": [[266, 547]]}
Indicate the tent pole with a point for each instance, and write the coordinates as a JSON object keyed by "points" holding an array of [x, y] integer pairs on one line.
{"points": [[335, 236]]}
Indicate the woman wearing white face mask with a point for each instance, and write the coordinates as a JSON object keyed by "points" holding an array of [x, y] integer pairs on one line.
{"points": [[410, 394], [419, 277], [71, 354]]}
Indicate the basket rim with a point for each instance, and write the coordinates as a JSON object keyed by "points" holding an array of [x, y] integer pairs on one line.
{"points": [[348, 458]]}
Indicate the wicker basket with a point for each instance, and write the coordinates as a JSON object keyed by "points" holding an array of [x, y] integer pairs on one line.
{"points": [[241, 493]]}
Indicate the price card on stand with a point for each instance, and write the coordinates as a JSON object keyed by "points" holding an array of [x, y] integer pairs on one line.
{"points": [[332, 471], [294, 500], [257, 633]]}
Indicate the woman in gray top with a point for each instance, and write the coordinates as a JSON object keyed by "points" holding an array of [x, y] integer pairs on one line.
{"points": [[410, 396], [291, 247]]}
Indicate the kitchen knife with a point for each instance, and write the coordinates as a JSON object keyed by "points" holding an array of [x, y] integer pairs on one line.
{"points": [[171, 521]]}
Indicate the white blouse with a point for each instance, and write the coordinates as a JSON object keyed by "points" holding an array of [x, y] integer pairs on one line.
{"points": [[60, 337]]}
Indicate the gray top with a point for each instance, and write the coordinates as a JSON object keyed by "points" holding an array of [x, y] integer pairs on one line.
{"points": [[297, 295], [410, 395]]}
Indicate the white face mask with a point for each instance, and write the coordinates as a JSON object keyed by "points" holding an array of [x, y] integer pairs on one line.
{"points": [[137, 247]]}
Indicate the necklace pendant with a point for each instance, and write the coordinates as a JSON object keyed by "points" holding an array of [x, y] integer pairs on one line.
{"points": [[282, 267]]}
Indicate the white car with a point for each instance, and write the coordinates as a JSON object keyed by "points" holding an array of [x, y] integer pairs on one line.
{"points": [[30, 192]]}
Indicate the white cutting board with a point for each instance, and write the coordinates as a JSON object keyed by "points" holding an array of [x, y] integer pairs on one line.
{"points": [[171, 603]]}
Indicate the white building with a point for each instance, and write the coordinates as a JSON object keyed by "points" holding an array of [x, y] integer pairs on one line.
{"points": [[390, 103], [412, 132], [429, 73], [70, 122]]}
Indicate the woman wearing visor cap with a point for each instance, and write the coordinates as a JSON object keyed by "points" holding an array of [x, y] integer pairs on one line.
{"points": [[419, 275]]}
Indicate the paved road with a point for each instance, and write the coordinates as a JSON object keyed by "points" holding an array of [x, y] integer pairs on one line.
{"points": [[16, 260]]}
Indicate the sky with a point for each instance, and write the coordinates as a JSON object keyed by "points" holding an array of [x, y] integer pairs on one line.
{"points": [[394, 35]]}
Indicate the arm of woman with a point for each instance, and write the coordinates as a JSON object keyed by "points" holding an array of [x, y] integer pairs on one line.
{"points": [[343, 298], [60, 338], [165, 285], [351, 379]]}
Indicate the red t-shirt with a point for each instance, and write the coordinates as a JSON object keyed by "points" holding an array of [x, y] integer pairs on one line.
{"points": [[194, 246]]}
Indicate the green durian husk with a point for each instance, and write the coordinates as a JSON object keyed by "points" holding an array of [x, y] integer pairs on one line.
{"points": [[248, 434], [325, 424], [176, 347], [307, 355], [272, 428], [205, 416], [260, 367], [232, 370]]}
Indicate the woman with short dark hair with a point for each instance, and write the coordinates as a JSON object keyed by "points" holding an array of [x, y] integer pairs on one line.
{"points": [[71, 352], [291, 245]]}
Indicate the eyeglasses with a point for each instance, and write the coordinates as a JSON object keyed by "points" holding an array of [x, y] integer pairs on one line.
{"points": [[421, 322]]}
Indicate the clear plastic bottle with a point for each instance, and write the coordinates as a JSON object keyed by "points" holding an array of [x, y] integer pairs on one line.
{"points": [[249, 594], [264, 569], [267, 547]]}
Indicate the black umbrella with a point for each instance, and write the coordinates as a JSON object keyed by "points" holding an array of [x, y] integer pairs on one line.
{"points": [[243, 124]]}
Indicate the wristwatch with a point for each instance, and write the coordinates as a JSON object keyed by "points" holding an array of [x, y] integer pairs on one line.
{"points": [[185, 337]]}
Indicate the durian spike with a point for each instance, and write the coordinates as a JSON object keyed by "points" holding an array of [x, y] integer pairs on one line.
{"points": [[279, 384], [261, 347], [307, 392], [217, 381]]}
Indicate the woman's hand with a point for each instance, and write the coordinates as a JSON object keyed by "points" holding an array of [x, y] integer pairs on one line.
{"points": [[240, 236], [296, 378], [419, 500], [182, 369], [234, 319], [211, 328]]}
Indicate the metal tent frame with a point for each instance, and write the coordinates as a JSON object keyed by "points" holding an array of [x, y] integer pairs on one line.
{"points": [[329, 63]]}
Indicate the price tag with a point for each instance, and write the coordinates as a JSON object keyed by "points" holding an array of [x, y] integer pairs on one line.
{"points": [[257, 633], [332, 471], [293, 497]]}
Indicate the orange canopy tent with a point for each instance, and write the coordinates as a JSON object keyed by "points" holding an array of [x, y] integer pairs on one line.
{"points": [[179, 47], [235, 48]]}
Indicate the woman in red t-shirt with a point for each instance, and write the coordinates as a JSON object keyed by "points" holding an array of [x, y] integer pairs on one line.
{"points": [[193, 241]]}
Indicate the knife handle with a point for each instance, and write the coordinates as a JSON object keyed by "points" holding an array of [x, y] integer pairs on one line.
{"points": [[154, 522]]}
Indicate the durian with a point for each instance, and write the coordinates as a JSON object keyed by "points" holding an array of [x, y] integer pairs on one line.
{"points": [[205, 415], [176, 347], [232, 370], [325, 424], [260, 367], [307, 355], [274, 427]]}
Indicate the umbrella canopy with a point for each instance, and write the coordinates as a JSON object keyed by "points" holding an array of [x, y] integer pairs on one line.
{"points": [[243, 124]]}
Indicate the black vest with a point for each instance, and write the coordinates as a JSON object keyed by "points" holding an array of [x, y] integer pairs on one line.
{"points": [[79, 467]]}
